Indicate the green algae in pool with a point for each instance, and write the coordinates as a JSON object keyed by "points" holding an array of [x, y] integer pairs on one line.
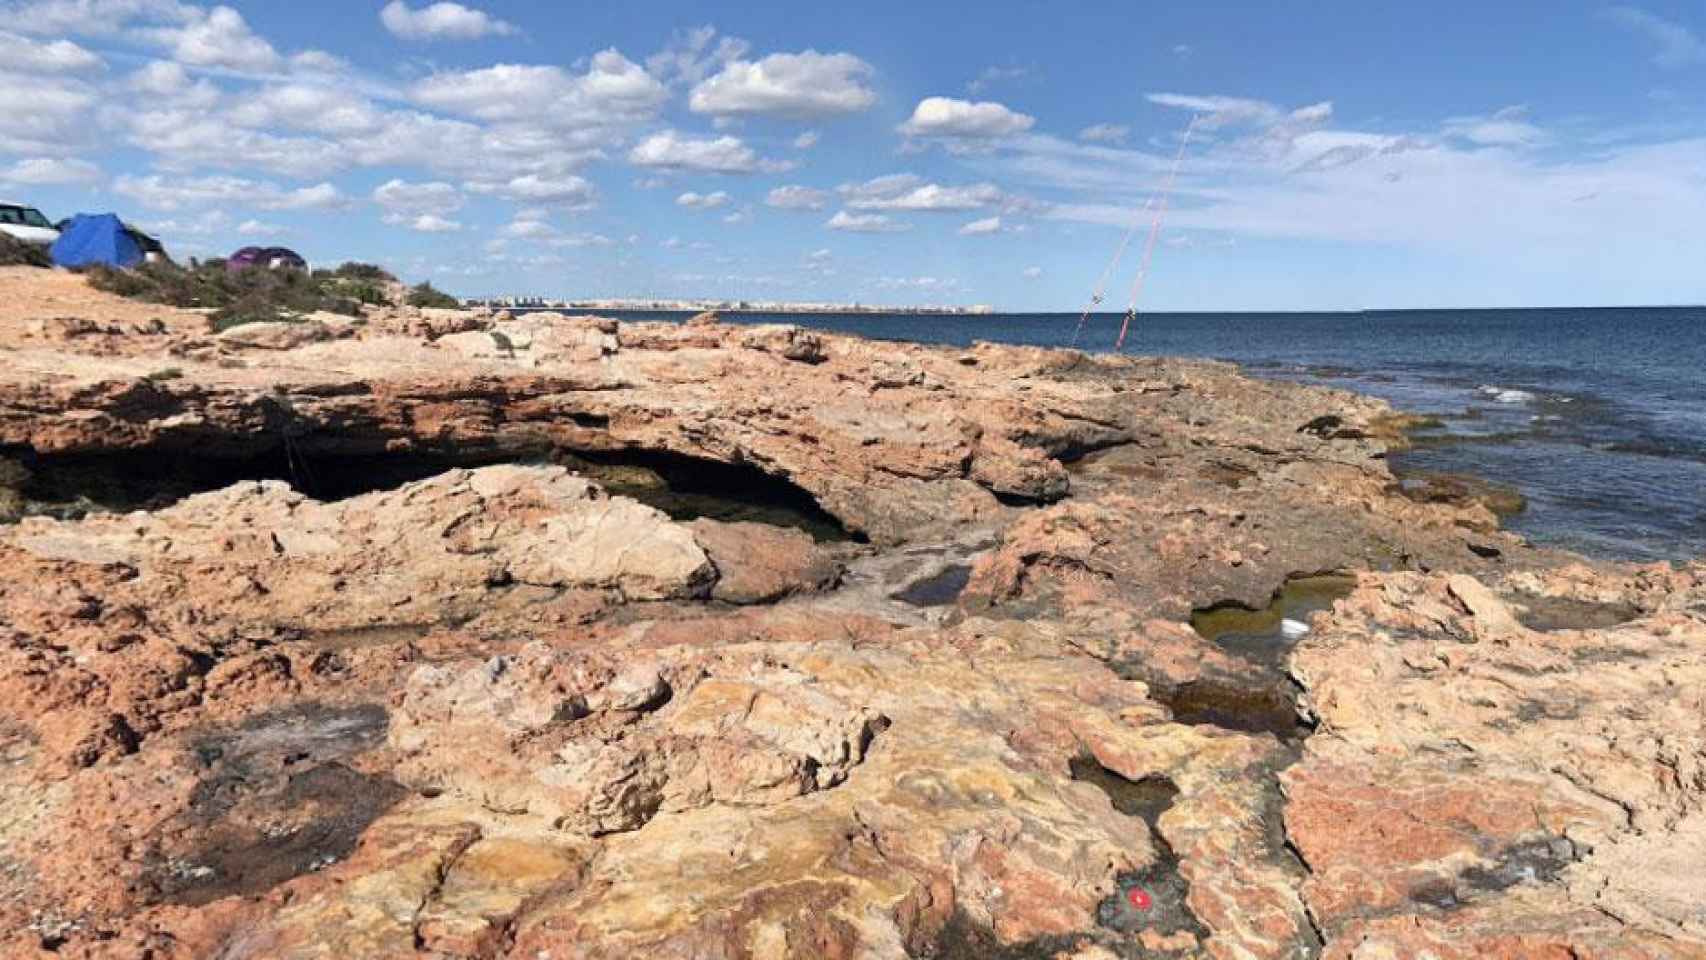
{"points": [[1264, 699], [1266, 636]]}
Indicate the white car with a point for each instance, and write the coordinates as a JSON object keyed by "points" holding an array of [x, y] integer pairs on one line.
{"points": [[26, 224]]}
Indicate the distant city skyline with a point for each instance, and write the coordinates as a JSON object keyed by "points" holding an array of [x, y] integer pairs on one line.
{"points": [[1345, 156], [698, 304]]}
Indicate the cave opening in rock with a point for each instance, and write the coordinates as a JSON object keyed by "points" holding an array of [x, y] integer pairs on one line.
{"points": [[69, 486], [688, 488]]}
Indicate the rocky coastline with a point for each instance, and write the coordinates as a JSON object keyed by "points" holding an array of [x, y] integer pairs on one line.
{"points": [[452, 634]]}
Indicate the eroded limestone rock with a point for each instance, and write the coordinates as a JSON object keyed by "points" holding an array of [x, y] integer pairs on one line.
{"points": [[501, 713], [1477, 787]]}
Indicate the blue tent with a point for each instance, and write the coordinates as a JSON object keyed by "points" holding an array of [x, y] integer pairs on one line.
{"points": [[96, 238]]}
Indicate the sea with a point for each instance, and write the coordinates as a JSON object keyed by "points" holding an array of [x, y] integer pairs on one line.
{"points": [[1597, 416]]}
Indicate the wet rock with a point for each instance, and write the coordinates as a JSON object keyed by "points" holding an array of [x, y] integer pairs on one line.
{"points": [[1463, 491], [939, 589]]}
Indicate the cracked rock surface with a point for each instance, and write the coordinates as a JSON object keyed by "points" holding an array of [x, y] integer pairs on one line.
{"points": [[504, 709]]}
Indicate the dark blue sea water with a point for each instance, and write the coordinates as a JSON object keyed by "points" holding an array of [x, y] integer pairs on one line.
{"points": [[1597, 415]]}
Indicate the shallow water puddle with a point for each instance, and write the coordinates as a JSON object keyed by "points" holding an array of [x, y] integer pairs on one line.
{"points": [[1148, 798], [1264, 698], [1266, 636], [937, 590], [1261, 706]]}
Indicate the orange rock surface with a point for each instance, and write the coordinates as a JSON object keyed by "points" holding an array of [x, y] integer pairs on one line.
{"points": [[460, 635]]}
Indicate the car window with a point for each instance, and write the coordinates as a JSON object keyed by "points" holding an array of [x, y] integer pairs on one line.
{"points": [[11, 215], [34, 218]]}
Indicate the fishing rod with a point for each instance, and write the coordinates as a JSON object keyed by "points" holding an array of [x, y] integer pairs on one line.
{"points": [[1154, 233], [1108, 272]]}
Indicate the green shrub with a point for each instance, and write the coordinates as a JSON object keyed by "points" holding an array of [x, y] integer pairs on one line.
{"points": [[246, 296], [426, 295], [365, 272]]}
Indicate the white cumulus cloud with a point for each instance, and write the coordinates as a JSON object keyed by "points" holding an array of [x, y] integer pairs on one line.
{"points": [[979, 228], [568, 192], [97, 17], [797, 198], [1508, 127], [169, 84], [432, 223], [219, 37], [613, 91], [441, 20], [532, 225], [948, 117], [907, 192], [669, 150], [864, 223], [46, 171], [313, 107], [702, 201], [402, 197], [158, 193], [796, 85], [1105, 133], [59, 56], [691, 55]]}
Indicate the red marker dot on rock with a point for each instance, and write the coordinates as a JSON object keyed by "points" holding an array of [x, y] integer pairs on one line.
{"points": [[1137, 898]]}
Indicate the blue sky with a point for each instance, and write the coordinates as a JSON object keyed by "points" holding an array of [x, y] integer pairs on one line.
{"points": [[1345, 156]]}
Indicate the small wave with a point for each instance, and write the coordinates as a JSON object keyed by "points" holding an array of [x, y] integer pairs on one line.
{"points": [[1506, 394], [1661, 449]]}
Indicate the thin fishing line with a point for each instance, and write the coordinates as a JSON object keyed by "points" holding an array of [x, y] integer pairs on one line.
{"points": [[1108, 272], [1154, 234]]}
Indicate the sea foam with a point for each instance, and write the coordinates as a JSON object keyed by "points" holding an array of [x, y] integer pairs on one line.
{"points": [[1507, 395]]}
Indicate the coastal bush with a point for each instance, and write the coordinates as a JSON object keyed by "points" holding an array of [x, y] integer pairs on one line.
{"points": [[366, 272], [247, 296], [17, 253], [426, 295], [362, 282]]}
